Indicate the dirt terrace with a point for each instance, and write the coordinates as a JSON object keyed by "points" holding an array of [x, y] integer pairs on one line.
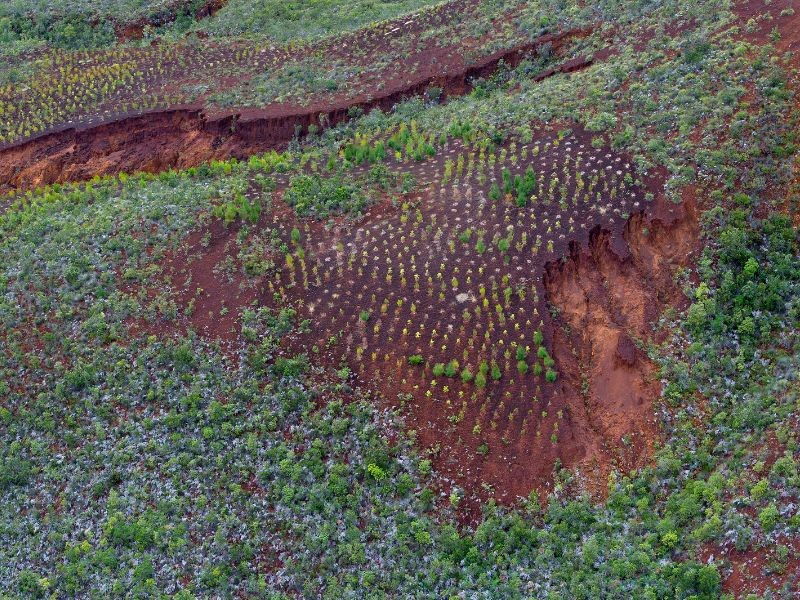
{"points": [[186, 136]]}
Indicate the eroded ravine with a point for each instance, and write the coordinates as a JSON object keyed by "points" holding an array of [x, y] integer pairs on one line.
{"points": [[608, 298]]}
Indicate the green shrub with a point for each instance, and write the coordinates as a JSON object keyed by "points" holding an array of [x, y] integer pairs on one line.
{"points": [[290, 367], [312, 195], [759, 490], [480, 380], [451, 370], [31, 585], [496, 373], [376, 472], [14, 471], [769, 517], [239, 207]]}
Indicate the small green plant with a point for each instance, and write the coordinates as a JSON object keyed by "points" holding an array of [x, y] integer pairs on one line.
{"points": [[480, 380], [376, 472], [496, 373], [769, 517], [239, 207]]}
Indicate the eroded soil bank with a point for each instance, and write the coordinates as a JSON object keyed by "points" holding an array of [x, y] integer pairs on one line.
{"points": [[607, 298], [186, 136]]}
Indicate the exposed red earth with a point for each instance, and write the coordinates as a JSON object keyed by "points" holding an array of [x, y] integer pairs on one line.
{"points": [[607, 303]]}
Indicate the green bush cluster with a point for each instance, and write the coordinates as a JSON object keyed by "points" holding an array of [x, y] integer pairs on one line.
{"points": [[313, 195]]}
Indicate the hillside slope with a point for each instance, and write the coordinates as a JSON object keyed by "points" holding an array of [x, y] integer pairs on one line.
{"points": [[477, 298]]}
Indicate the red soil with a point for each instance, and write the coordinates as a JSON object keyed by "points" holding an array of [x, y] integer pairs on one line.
{"points": [[198, 274], [758, 570], [768, 16], [605, 301]]}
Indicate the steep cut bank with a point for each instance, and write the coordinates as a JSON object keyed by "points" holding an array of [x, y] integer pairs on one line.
{"points": [[186, 136], [607, 297], [135, 30]]}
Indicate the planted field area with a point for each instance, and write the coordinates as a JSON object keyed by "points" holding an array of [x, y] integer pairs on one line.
{"points": [[443, 301], [68, 89]]}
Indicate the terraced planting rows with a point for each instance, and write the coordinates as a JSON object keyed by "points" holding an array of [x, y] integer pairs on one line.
{"points": [[80, 89], [69, 89]]}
